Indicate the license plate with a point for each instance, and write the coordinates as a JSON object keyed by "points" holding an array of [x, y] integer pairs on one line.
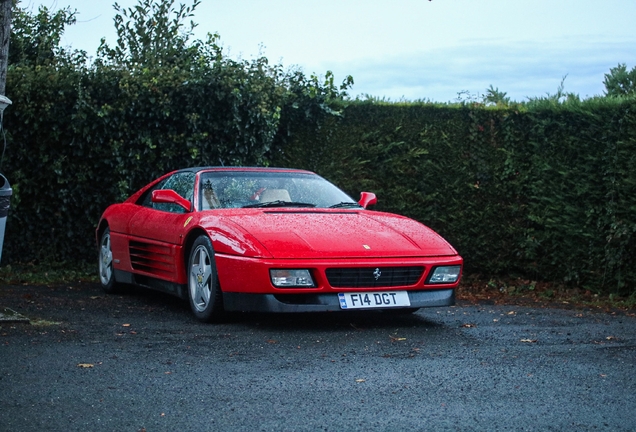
{"points": [[368, 300]]}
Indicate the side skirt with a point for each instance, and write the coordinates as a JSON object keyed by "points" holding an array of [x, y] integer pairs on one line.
{"points": [[175, 289]]}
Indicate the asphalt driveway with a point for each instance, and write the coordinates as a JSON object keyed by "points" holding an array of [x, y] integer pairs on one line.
{"points": [[140, 361]]}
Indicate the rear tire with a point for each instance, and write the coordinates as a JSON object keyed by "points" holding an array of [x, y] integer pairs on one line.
{"points": [[106, 272], [204, 293]]}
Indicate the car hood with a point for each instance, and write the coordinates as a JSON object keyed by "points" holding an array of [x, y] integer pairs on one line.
{"points": [[341, 234]]}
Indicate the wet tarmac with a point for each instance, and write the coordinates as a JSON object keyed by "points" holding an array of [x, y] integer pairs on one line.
{"points": [[86, 361]]}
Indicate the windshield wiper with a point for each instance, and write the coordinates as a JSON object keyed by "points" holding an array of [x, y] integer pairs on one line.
{"points": [[346, 204], [279, 203]]}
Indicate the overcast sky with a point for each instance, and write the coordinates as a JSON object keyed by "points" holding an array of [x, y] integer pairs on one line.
{"points": [[411, 49]]}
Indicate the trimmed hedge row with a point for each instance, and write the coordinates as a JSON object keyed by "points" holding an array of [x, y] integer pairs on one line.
{"points": [[546, 191], [80, 140]]}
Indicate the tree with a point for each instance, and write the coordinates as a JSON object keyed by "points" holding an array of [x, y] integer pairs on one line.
{"points": [[152, 33], [35, 40], [5, 32], [154, 100], [495, 97], [620, 82]]}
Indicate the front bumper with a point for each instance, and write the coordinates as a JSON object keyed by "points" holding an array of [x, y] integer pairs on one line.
{"points": [[245, 302]]}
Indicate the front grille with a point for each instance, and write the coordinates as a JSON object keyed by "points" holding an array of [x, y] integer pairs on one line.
{"points": [[373, 277]]}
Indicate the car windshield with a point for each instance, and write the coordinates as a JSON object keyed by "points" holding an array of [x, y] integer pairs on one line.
{"points": [[233, 189]]}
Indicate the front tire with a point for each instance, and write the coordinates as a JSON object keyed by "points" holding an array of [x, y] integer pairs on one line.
{"points": [[206, 298], [106, 272]]}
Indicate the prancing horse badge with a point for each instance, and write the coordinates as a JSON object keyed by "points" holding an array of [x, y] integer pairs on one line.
{"points": [[377, 273]]}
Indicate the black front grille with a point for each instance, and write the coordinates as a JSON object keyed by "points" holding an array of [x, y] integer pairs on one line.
{"points": [[373, 277]]}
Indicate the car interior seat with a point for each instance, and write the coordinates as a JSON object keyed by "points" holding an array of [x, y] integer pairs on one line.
{"points": [[269, 195]]}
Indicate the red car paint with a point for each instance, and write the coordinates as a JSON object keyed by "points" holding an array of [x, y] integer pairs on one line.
{"points": [[151, 244]]}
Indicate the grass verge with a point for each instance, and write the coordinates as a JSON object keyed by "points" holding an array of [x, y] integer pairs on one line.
{"points": [[47, 273], [508, 290]]}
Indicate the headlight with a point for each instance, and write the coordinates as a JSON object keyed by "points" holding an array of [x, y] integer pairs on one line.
{"points": [[447, 274], [291, 278]]}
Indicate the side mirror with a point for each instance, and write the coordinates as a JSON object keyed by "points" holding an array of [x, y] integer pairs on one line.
{"points": [[367, 199], [168, 196]]}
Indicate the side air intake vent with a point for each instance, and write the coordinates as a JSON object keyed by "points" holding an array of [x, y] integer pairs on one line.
{"points": [[151, 258]]}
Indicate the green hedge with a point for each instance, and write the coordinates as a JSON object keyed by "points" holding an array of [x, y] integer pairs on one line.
{"points": [[543, 191], [78, 141], [82, 135]]}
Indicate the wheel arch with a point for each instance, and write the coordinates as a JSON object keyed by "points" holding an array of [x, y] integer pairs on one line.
{"points": [[191, 237], [103, 224]]}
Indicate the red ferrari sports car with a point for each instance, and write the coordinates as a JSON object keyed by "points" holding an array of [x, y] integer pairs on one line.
{"points": [[271, 239]]}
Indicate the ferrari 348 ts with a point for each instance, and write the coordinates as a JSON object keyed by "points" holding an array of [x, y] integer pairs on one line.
{"points": [[271, 240]]}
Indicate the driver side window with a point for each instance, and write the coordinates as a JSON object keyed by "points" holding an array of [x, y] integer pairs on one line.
{"points": [[182, 183]]}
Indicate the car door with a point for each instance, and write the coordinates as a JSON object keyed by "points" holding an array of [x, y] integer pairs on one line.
{"points": [[156, 231]]}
